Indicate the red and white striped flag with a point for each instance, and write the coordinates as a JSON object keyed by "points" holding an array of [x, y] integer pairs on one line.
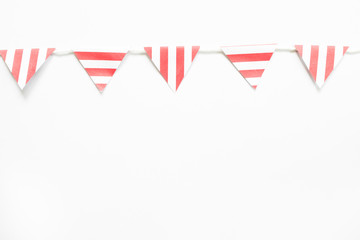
{"points": [[23, 63], [321, 60], [100, 65], [172, 62], [250, 60]]}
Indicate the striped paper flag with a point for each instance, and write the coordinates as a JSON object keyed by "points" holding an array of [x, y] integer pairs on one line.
{"points": [[250, 60], [320, 60], [172, 62], [100, 65], [23, 63]]}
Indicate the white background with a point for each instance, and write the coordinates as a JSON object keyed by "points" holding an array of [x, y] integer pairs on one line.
{"points": [[214, 161]]}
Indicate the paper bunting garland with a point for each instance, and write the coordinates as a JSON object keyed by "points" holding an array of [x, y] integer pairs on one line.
{"points": [[250, 60], [23, 63], [172, 62], [320, 60], [100, 65]]}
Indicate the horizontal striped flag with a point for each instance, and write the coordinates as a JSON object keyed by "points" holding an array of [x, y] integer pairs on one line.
{"points": [[23, 63], [320, 60], [100, 65], [250, 60], [172, 62]]}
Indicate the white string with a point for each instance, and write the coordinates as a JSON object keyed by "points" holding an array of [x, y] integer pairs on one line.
{"points": [[203, 49], [62, 52], [353, 51]]}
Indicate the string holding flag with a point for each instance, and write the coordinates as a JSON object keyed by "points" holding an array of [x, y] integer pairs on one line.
{"points": [[172, 62], [100, 65], [24, 63], [321, 60], [250, 60]]}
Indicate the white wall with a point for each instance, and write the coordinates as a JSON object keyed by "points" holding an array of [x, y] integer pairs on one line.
{"points": [[215, 161]]}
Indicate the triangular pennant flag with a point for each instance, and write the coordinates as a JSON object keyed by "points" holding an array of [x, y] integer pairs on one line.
{"points": [[100, 65], [172, 62], [320, 60], [250, 60], [23, 63]]}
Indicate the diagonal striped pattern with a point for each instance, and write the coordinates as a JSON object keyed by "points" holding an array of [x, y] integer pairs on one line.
{"points": [[100, 65], [23, 63], [320, 60], [172, 62], [250, 60]]}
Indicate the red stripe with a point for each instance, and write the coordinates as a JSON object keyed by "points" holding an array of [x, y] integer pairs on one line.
{"points": [[101, 86], [148, 50], [250, 57], [180, 52], [49, 52], [100, 56], [17, 63], [345, 49], [195, 50], [330, 59], [299, 48], [314, 60], [252, 73], [3, 54], [105, 72], [32, 63], [164, 62]]}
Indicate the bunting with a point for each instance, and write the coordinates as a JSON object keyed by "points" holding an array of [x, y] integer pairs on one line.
{"points": [[250, 60], [23, 63], [172, 62], [321, 60], [100, 65]]}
